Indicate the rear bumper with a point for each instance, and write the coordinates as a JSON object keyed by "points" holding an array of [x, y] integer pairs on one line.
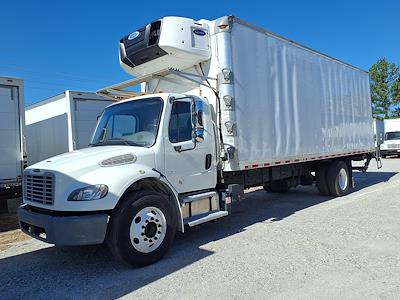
{"points": [[63, 230]]}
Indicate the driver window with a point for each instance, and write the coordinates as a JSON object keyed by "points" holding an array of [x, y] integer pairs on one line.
{"points": [[180, 125]]}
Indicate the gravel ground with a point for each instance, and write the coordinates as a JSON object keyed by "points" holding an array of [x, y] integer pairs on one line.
{"points": [[299, 246]]}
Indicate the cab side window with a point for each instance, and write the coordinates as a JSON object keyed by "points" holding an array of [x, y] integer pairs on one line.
{"points": [[180, 125]]}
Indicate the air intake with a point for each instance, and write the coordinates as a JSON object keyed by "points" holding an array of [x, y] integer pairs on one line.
{"points": [[118, 160]]}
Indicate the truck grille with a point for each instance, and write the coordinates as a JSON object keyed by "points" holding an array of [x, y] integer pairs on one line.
{"points": [[393, 146], [39, 188]]}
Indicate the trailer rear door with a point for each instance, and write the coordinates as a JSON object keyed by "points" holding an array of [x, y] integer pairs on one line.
{"points": [[85, 119], [10, 143]]}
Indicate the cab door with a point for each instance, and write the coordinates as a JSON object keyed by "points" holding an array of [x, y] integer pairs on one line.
{"points": [[189, 166]]}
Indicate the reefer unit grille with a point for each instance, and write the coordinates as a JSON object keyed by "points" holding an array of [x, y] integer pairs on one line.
{"points": [[39, 188]]}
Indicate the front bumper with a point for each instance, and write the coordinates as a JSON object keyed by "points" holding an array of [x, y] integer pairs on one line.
{"points": [[390, 152], [63, 230]]}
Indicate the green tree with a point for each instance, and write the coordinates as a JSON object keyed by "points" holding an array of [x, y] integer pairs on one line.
{"points": [[385, 89]]}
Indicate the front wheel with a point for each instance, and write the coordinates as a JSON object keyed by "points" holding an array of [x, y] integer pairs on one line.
{"points": [[142, 228]]}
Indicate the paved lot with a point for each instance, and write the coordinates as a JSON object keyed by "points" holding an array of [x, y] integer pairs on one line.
{"points": [[299, 245]]}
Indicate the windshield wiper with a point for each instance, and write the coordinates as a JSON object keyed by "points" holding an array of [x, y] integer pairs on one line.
{"points": [[115, 141]]}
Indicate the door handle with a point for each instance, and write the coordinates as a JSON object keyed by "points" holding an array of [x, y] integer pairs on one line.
{"points": [[208, 161]]}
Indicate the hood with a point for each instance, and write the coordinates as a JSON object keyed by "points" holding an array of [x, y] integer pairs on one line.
{"points": [[88, 159]]}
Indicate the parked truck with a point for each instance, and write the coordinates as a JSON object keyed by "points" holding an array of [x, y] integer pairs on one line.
{"points": [[62, 123], [391, 141], [224, 106], [12, 154]]}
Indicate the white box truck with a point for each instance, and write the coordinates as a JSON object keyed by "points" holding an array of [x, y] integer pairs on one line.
{"points": [[225, 106], [391, 141], [12, 154], [62, 123]]}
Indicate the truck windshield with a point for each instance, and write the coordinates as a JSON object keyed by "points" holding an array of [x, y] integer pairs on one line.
{"points": [[133, 123], [392, 135]]}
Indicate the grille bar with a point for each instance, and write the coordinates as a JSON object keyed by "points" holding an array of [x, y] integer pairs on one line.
{"points": [[39, 188], [393, 146]]}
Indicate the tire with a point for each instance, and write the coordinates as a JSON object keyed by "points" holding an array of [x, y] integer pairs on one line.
{"points": [[321, 176], [278, 186], [339, 179], [142, 228]]}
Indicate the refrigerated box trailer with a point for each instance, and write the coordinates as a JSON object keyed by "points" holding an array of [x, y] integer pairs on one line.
{"points": [[12, 154], [225, 106], [62, 123]]}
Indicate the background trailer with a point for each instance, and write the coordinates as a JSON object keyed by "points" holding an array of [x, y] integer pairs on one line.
{"points": [[11, 134], [62, 123]]}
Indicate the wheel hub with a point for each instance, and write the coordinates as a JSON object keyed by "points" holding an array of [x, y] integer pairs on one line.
{"points": [[343, 179], [148, 229]]}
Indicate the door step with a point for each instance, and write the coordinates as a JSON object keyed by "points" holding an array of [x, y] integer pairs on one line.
{"points": [[195, 197], [203, 218]]}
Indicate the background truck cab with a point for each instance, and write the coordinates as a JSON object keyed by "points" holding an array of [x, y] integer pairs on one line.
{"points": [[391, 140]]}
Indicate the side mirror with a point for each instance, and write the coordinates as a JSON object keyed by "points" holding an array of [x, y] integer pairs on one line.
{"points": [[197, 121]]}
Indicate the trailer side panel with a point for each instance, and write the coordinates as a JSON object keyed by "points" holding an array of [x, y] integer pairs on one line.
{"points": [[294, 104]]}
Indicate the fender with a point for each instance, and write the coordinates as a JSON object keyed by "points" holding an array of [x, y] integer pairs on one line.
{"points": [[147, 174]]}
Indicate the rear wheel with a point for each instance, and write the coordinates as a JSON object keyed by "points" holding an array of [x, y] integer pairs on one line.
{"points": [[142, 228], [321, 179], [278, 186], [339, 179]]}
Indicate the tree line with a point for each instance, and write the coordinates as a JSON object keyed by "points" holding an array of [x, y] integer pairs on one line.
{"points": [[385, 89]]}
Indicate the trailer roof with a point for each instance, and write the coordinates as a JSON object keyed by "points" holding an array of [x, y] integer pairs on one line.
{"points": [[9, 79], [260, 29], [61, 95]]}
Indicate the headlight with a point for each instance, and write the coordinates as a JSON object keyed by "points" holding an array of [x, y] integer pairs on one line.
{"points": [[383, 146], [91, 192]]}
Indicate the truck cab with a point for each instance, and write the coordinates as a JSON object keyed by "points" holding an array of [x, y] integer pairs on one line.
{"points": [[391, 144], [161, 143]]}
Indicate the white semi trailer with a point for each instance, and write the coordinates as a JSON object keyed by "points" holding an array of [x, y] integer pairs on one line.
{"points": [[225, 106], [391, 141], [62, 123], [12, 154]]}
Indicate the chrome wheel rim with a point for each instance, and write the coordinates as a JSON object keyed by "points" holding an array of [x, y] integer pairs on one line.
{"points": [[148, 229], [343, 179]]}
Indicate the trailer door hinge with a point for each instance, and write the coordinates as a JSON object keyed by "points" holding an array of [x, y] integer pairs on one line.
{"points": [[225, 76], [230, 127], [228, 99]]}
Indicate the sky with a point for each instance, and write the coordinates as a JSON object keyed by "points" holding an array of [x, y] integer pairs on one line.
{"points": [[60, 45]]}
